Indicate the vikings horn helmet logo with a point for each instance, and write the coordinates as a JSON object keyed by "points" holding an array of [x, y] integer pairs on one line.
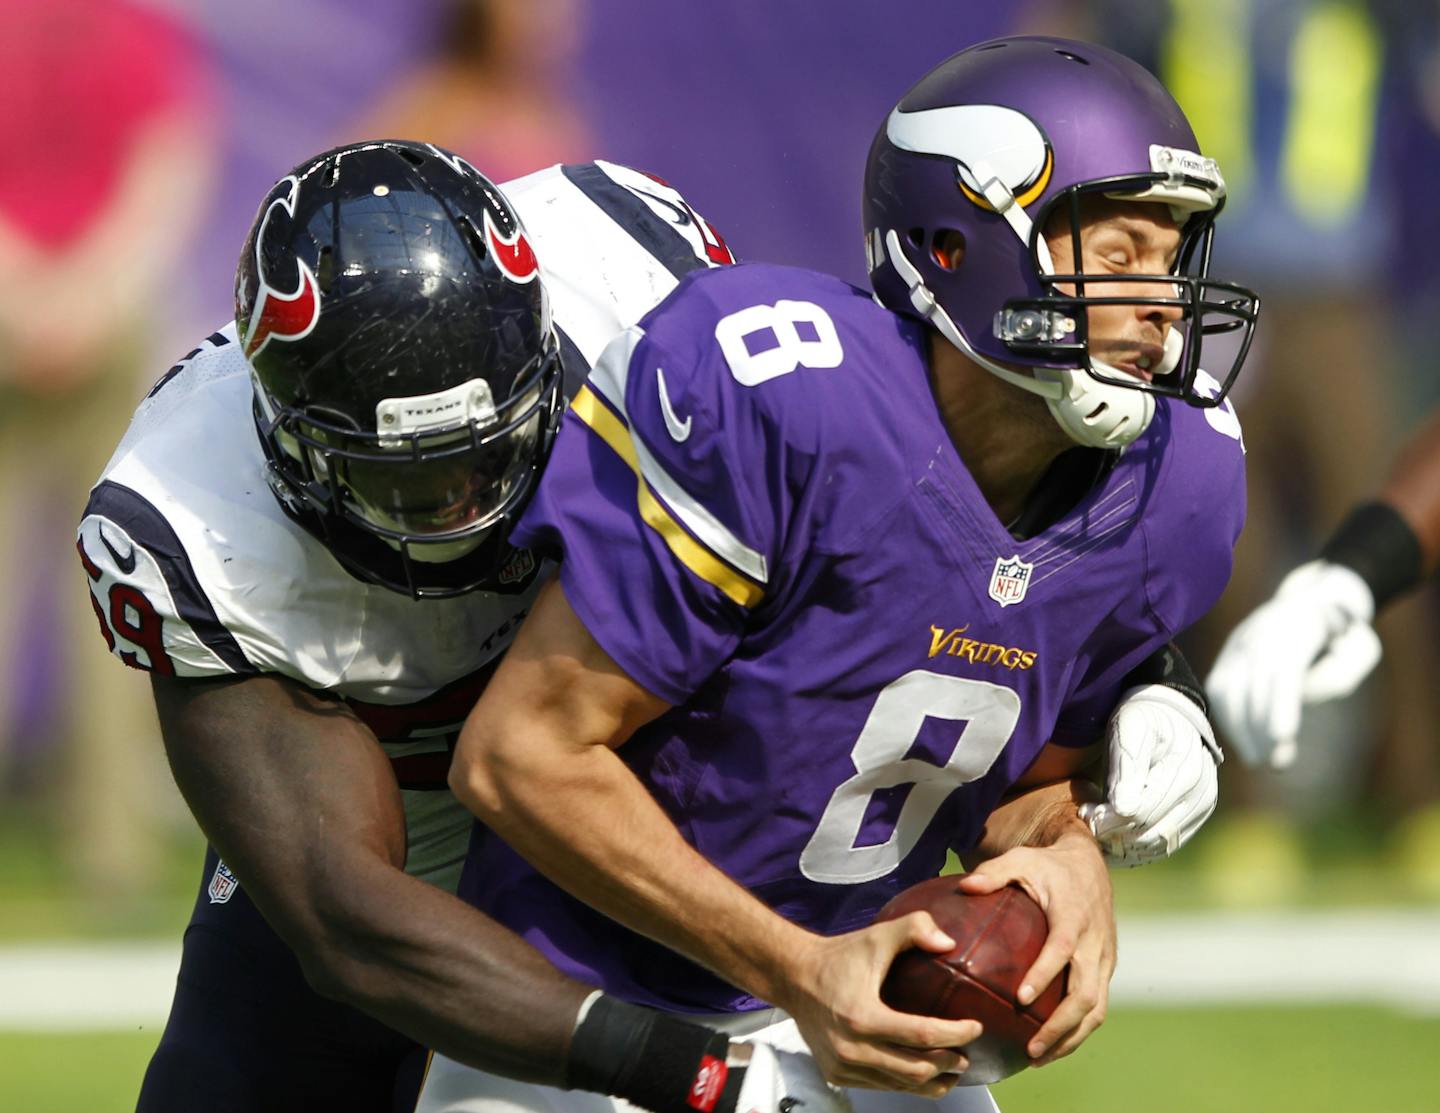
{"points": [[277, 315], [987, 141]]}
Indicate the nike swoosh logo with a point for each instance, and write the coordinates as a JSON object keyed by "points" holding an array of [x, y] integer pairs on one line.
{"points": [[681, 217], [126, 564], [679, 430]]}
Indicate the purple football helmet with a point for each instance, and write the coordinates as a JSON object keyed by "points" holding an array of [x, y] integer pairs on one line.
{"points": [[987, 146]]}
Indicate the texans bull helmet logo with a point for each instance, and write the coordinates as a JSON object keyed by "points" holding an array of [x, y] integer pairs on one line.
{"points": [[513, 254], [275, 314], [507, 244]]}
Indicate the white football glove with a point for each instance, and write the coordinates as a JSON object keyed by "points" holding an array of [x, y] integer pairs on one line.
{"points": [[784, 1081], [1162, 783], [1312, 641]]}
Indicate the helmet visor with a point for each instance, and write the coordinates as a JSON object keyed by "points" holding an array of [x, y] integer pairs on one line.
{"points": [[440, 487]]}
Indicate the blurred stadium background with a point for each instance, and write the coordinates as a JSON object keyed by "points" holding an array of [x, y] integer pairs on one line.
{"points": [[1288, 959]]}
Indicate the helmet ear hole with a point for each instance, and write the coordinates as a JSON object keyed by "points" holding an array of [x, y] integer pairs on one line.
{"points": [[472, 237], [916, 236], [325, 268], [947, 249]]}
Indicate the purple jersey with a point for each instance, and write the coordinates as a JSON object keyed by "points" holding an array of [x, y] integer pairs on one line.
{"points": [[763, 520]]}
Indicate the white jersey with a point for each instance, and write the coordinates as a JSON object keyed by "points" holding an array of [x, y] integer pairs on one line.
{"points": [[196, 571]]}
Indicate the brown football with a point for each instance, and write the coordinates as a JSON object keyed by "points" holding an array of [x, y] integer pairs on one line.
{"points": [[997, 937]]}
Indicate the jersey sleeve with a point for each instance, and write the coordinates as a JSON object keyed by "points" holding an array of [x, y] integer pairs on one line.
{"points": [[672, 488], [1191, 524], [152, 610]]}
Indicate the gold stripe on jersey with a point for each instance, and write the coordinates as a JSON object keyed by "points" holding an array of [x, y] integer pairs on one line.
{"points": [[687, 550], [609, 384]]}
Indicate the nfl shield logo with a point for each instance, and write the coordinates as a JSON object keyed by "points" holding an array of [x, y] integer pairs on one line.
{"points": [[222, 885], [1009, 580], [520, 565]]}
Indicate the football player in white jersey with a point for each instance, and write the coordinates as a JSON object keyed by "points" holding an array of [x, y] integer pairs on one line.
{"points": [[302, 538]]}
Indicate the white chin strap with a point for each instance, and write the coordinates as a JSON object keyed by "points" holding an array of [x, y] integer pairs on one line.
{"points": [[1092, 413], [1102, 415]]}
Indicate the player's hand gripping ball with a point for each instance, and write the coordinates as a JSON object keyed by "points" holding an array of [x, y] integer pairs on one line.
{"points": [[997, 938]]}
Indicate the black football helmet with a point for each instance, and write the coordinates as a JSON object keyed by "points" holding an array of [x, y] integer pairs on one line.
{"points": [[407, 376]]}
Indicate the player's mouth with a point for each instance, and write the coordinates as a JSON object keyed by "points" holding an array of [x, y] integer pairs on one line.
{"points": [[1137, 368], [1139, 361]]}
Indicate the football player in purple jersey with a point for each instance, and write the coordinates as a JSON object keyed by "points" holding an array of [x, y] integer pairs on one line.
{"points": [[1313, 640], [303, 537], [844, 585]]}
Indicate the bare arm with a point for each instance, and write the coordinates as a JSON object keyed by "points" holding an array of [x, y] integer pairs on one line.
{"points": [[537, 754], [298, 797], [1036, 816], [1413, 489], [536, 762]]}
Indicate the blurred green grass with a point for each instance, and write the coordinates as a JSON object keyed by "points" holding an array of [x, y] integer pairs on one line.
{"points": [[1348, 859], [97, 1072], [1342, 860], [41, 899], [1200, 1060], [1242, 1060]]}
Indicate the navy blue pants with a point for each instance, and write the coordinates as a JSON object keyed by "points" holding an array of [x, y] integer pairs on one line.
{"points": [[246, 1034]]}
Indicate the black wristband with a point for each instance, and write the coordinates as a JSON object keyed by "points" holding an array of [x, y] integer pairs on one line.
{"points": [[1167, 666], [1379, 545], [649, 1058]]}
